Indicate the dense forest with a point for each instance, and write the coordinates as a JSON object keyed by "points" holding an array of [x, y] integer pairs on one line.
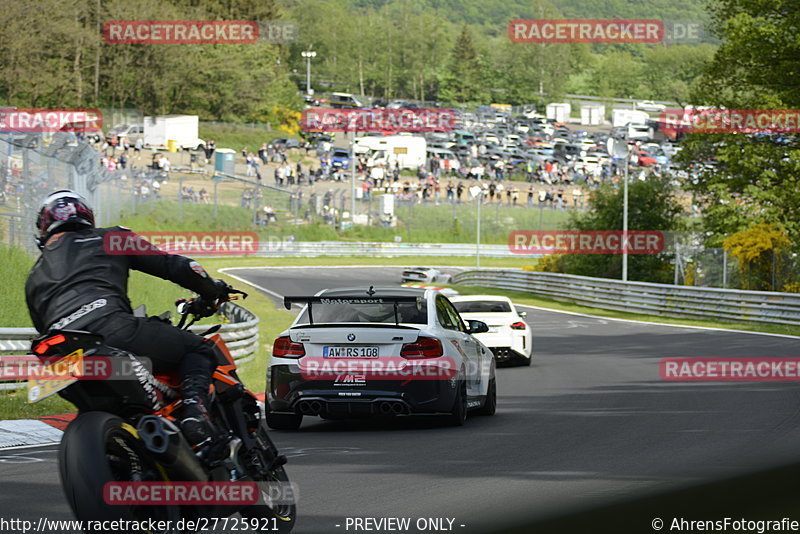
{"points": [[52, 54], [450, 50], [496, 13]]}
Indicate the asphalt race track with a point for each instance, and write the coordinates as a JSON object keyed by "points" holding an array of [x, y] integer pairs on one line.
{"points": [[589, 423]]}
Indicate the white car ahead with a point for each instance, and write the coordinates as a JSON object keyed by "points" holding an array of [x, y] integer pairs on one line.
{"points": [[509, 336], [378, 352], [424, 274]]}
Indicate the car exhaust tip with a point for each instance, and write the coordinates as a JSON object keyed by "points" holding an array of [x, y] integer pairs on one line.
{"points": [[398, 408], [304, 407], [314, 407]]}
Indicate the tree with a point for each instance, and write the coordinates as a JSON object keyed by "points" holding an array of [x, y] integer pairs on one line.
{"points": [[758, 249], [739, 178], [652, 206], [669, 72], [464, 79]]}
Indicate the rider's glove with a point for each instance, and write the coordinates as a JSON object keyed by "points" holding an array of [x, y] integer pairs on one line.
{"points": [[221, 290]]}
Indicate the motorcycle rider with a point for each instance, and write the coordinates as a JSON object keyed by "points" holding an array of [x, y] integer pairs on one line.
{"points": [[79, 283]]}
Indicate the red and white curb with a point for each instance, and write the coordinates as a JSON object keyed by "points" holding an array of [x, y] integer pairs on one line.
{"points": [[32, 432]]}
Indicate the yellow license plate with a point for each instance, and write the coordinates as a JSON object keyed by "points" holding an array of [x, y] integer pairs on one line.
{"points": [[56, 376]]}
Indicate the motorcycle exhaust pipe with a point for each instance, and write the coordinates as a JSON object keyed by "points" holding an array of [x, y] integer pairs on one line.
{"points": [[163, 439]]}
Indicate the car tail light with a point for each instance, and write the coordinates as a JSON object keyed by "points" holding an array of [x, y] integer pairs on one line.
{"points": [[42, 347], [284, 347], [519, 325], [423, 347]]}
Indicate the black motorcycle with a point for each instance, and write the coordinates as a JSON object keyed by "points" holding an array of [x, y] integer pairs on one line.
{"points": [[127, 431]]}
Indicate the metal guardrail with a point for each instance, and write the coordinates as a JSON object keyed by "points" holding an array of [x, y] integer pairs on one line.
{"points": [[240, 335], [279, 248], [653, 299]]}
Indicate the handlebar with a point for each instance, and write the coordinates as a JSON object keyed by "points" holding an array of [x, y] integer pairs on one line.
{"points": [[200, 307]]}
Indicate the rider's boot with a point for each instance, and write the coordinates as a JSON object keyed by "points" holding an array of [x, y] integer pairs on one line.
{"points": [[195, 423]]}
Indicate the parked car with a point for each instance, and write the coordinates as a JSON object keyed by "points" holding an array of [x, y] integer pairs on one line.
{"points": [[340, 158], [344, 101], [130, 133], [285, 143]]}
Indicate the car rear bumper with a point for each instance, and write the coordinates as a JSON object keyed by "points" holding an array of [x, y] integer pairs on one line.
{"points": [[289, 392], [507, 354], [515, 340]]}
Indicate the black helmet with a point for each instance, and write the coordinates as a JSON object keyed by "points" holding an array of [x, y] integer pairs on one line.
{"points": [[65, 210]]}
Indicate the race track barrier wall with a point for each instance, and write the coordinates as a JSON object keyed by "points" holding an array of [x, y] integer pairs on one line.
{"points": [[641, 297], [240, 335]]}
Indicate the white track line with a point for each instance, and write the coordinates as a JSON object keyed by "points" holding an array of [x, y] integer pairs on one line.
{"points": [[671, 325], [251, 284]]}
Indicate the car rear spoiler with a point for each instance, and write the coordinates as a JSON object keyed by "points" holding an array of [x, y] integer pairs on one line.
{"points": [[349, 299]]}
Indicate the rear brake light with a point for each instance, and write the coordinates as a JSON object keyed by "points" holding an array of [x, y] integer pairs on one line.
{"points": [[423, 347], [284, 347], [519, 325], [42, 347]]}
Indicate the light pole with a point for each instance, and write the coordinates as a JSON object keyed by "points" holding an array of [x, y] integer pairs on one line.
{"points": [[308, 54], [625, 221], [479, 199], [620, 149], [353, 178]]}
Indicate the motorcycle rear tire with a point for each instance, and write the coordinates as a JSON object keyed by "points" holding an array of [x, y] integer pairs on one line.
{"points": [[94, 450]]}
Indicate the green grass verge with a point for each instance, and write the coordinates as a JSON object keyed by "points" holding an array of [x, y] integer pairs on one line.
{"points": [[237, 136], [14, 271], [416, 224], [520, 297]]}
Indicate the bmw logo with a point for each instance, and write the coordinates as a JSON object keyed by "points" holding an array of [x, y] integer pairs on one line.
{"points": [[351, 337]]}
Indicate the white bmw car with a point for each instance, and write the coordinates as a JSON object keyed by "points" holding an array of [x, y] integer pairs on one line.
{"points": [[424, 274], [378, 352], [509, 336]]}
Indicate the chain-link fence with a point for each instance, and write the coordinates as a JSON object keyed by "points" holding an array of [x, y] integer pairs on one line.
{"points": [[33, 165], [715, 267]]}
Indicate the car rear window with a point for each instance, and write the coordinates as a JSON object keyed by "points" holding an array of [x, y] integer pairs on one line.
{"points": [[407, 312], [482, 306]]}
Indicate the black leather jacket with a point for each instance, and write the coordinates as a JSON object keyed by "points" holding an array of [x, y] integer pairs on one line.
{"points": [[79, 278]]}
